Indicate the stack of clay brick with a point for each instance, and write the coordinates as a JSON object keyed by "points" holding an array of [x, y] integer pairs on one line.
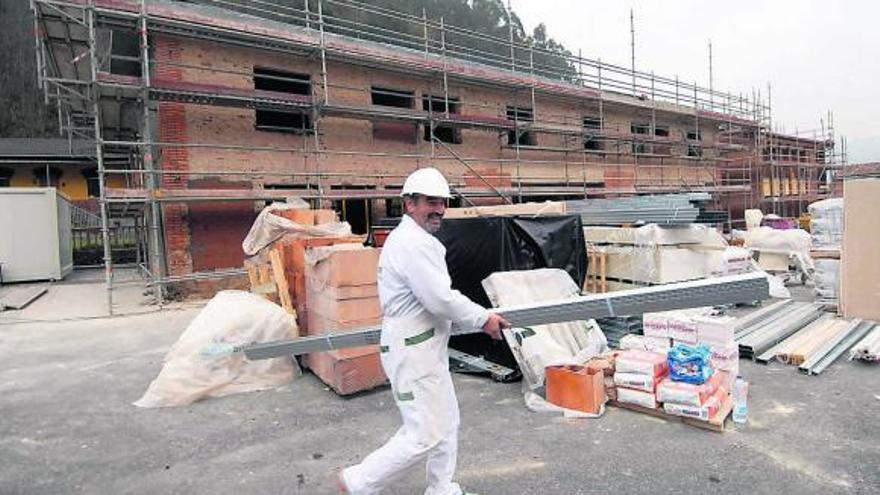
{"points": [[342, 294]]}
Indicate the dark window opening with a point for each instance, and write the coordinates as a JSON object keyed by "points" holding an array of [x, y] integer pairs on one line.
{"points": [[357, 212], [282, 82], [6, 176], [275, 121], [392, 97], [661, 131], [592, 129], [93, 185], [125, 53], [694, 150], [48, 177], [443, 132], [519, 136], [639, 130]]}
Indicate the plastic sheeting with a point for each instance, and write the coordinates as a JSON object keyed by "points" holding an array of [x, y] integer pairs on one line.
{"points": [[479, 247], [826, 223], [267, 228], [572, 343], [190, 374]]}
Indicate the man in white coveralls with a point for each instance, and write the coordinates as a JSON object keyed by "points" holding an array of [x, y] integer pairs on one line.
{"points": [[419, 306]]}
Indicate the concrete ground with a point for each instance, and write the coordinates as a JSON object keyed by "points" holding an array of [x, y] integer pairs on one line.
{"points": [[67, 425]]}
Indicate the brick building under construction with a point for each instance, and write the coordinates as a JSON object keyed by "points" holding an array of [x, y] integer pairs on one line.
{"points": [[217, 111]]}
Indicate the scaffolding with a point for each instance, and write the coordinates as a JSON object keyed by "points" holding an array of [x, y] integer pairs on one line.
{"points": [[76, 65]]}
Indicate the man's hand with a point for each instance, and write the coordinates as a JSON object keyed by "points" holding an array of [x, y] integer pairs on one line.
{"points": [[494, 325]]}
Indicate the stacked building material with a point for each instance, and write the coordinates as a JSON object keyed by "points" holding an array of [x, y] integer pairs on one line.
{"points": [[698, 326], [342, 294], [636, 375], [764, 334], [631, 257], [867, 349], [660, 209], [826, 232]]}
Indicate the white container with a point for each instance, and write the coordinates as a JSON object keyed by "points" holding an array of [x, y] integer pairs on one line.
{"points": [[35, 240]]}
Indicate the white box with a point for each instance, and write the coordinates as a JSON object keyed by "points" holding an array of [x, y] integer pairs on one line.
{"points": [[637, 397], [725, 357], [655, 325], [35, 235]]}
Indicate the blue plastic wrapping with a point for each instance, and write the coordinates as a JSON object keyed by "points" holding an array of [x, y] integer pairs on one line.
{"points": [[690, 363]]}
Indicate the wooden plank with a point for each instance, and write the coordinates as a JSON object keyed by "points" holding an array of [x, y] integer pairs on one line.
{"points": [[280, 280]]}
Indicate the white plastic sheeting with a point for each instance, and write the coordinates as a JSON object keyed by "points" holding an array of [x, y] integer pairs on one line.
{"points": [[544, 345], [231, 316], [826, 223], [268, 227]]}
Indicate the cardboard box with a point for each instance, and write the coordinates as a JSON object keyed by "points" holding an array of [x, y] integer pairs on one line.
{"points": [[346, 267], [347, 371], [575, 387], [683, 329]]}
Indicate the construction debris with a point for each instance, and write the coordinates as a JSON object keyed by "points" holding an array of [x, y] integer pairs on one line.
{"points": [[867, 349]]}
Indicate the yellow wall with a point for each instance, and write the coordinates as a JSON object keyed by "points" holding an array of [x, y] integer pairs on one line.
{"points": [[72, 181]]}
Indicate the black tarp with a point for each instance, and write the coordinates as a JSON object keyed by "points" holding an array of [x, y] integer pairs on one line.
{"points": [[478, 247]]}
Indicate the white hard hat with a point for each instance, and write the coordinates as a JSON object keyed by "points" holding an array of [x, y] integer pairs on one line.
{"points": [[426, 181]]}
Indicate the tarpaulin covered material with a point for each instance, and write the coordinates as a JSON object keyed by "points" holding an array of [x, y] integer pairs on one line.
{"points": [[479, 247]]}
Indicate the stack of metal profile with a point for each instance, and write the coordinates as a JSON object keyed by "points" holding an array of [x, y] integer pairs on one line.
{"points": [[615, 328], [821, 359], [773, 324], [731, 289], [670, 209]]}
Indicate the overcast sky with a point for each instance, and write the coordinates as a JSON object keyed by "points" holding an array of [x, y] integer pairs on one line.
{"points": [[817, 55]]}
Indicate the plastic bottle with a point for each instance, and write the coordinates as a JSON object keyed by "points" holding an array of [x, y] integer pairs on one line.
{"points": [[740, 401]]}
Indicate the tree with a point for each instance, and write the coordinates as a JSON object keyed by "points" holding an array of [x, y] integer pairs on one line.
{"points": [[23, 113]]}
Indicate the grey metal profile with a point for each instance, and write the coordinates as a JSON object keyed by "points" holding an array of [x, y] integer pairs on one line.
{"points": [[770, 333], [731, 289], [829, 353], [771, 353]]}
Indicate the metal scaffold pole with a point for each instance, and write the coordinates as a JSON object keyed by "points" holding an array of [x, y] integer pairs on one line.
{"points": [[99, 156], [154, 231]]}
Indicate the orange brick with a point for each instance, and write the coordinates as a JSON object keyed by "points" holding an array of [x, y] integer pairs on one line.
{"points": [[347, 267], [302, 217], [362, 308], [348, 371]]}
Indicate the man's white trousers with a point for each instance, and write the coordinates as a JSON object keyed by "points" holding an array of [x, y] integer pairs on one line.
{"points": [[424, 394]]}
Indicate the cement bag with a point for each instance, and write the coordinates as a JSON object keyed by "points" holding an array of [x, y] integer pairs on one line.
{"points": [[268, 227], [540, 346], [230, 317]]}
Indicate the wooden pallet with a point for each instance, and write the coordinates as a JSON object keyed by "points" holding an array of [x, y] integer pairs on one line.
{"points": [[596, 280], [267, 279], [716, 423]]}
